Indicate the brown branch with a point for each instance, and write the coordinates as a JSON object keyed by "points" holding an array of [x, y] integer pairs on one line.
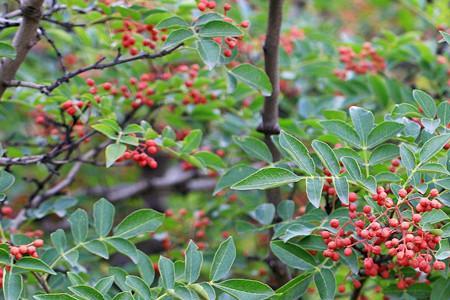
{"points": [[58, 53], [269, 125], [98, 65], [23, 40], [173, 177], [42, 282]]}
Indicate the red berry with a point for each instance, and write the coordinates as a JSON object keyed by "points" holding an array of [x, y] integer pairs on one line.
{"points": [[334, 223], [367, 209], [434, 193], [201, 6], [416, 218], [38, 243], [107, 86], [348, 251], [90, 82], [23, 249], [402, 193], [245, 24], [7, 211], [211, 4], [226, 6], [352, 197]]}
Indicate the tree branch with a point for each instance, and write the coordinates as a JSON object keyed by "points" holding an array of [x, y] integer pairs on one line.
{"points": [[269, 125], [23, 40], [98, 65]]}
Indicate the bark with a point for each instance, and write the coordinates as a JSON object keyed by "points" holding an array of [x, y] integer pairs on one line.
{"points": [[23, 41], [269, 125]]}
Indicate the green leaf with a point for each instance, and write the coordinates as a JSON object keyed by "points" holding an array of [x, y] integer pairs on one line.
{"points": [[86, 292], [138, 222], [254, 147], [107, 130], [209, 52], [233, 175], [124, 246], [434, 216], [440, 289], [133, 128], [145, 267], [167, 271], [446, 36], [443, 113], [326, 284], [286, 209], [4, 257], [103, 213], [193, 263], [378, 88], [342, 188], [177, 37], [327, 156], [352, 167], [444, 250], [292, 255], [6, 180], [433, 146], [223, 259], [363, 121], [295, 288], [266, 178], [170, 22], [139, 286], [343, 131], [33, 264], [245, 289], [264, 213], [298, 152], [383, 132], [407, 157], [6, 50], [98, 248], [54, 296], [104, 284], [314, 188], [113, 152], [129, 139], [79, 224], [219, 28], [210, 160], [59, 240], [206, 18], [426, 102], [123, 296], [119, 278], [253, 77], [384, 153], [12, 286], [192, 141]]}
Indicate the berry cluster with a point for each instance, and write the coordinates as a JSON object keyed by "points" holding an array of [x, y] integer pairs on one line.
{"points": [[389, 238], [230, 42], [142, 154], [147, 33], [368, 60], [30, 249], [71, 107]]}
